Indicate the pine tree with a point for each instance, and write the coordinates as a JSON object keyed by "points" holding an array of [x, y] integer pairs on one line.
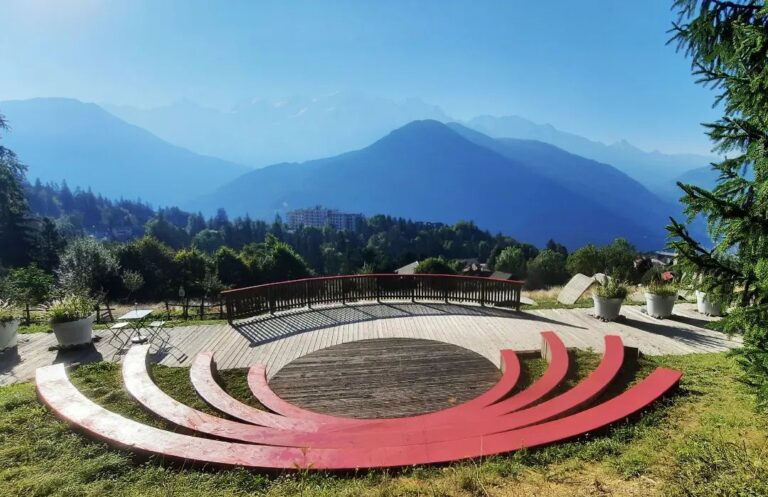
{"points": [[17, 230], [728, 44]]}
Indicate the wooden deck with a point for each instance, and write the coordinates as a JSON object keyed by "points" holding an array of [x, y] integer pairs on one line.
{"points": [[385, 378], [278, 340]]}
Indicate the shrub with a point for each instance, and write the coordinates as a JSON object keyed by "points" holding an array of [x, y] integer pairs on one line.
{"points": [[28, 286], [612, 289], [587, 260], [662, 288], [511, 260], [616, 258], [7, 315], [132, 281], [153, 260], [231, 269], [88, 267], [546, 269], [435, 265], [71, 308]]}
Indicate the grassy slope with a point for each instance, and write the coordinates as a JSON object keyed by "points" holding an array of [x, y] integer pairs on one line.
{"points": [[705, 441]]}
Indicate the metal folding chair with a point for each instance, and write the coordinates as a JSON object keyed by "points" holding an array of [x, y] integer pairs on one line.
{"points": [[120, 329], [156, 328]]}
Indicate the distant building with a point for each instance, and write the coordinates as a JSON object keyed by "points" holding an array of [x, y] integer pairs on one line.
{"points": [[319, 217]]}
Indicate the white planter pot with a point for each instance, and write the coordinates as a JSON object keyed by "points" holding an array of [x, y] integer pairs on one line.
{"points": [[8, 334], [74, 333], [659, 306], [705, 306], [607, 309]]}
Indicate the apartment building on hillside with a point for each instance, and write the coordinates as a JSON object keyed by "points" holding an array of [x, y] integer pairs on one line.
{"points": [[320, 217]]}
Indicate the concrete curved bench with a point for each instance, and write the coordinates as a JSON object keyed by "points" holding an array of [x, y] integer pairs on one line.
{"points": [[66, 402]]}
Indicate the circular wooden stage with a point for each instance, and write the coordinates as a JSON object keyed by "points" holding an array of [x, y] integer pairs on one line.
{"points": [[383, 378]]}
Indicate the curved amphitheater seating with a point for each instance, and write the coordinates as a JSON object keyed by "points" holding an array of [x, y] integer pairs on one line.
{"points": [[408, 431], [203, 370], [333, 447], [201, 374]]}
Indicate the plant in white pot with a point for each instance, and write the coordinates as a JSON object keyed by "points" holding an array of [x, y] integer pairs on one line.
{"points": [[660, 298], [608, 298], [706, 305], [9, 328], [72, 320]]}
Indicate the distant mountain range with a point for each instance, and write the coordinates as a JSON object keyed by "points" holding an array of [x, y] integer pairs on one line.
{"points": [[425, 170], [430, 171], [655, 170], [264, 132], [89, 147]]}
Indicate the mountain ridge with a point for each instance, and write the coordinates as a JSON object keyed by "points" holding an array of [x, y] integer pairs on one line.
{"points": [[426, 170], [66, 139]]}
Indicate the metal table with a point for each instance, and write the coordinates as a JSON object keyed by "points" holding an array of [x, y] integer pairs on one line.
{"points": [[137, 317]]}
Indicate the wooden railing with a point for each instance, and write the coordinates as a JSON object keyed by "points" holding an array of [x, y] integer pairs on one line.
{"points": [[251, 301]]}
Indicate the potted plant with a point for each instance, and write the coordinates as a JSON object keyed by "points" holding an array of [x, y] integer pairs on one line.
{"points": [[707, 306], [9, 326], [660, 297], [608, 298], [72, 320]]}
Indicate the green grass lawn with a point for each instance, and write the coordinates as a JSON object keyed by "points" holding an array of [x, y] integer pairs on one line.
{"points": [[705, 440]]}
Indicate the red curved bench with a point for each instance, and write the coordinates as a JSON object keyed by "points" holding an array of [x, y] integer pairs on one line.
{"points": [[410, 431], [66, 402], [202, 377], [553, 350]]}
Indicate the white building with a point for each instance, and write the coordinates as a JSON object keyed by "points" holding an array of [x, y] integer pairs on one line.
{"points": [[320, 217]]}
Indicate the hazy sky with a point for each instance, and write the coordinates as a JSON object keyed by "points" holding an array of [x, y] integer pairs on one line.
{"points": [[599, 68]]}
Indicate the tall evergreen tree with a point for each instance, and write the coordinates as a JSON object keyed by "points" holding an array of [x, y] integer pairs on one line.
{"points": [[728, 44], [16, 227]]}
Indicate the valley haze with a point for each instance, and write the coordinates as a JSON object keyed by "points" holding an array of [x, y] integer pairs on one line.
{"points": [[506, 174]]}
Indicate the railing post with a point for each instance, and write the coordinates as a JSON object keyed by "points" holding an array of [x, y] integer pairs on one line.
{"points": [[413, 288], [271, 299], [306, 295], [378, 289], [343, 295], [482, 293]]}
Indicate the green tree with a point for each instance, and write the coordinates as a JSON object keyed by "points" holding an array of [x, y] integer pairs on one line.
{"points": [[132, 281], [511, 260], [586, 260], [282, 262], [49, 246], [191, 270], [17, 232], [435, 265], [727, 42], [166, 232], [154, 261], [547, 269], [231, 269], [27, 287], [208, 241], [619, 259], [89, 268]]}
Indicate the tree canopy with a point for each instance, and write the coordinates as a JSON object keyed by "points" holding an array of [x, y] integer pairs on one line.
{"points": [[727, 42]]}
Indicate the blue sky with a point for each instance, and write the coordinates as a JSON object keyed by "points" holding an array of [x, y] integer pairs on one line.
{"points": [[599, 68]]}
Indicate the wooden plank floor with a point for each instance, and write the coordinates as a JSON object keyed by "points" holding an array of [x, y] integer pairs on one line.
{"points": [[390, 377], [277, 340]]}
